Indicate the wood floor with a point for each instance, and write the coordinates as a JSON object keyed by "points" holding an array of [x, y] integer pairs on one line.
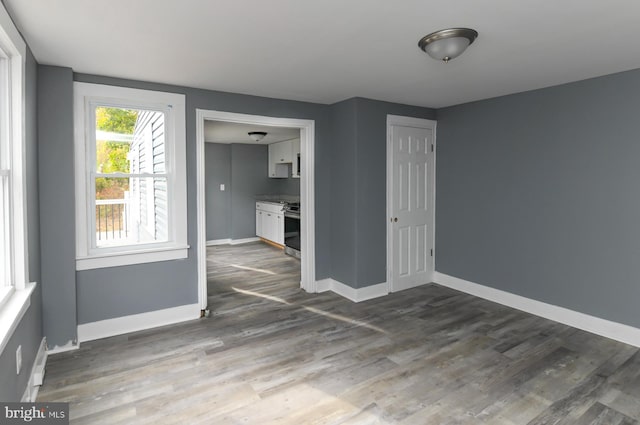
{"points": [[272, 354]]}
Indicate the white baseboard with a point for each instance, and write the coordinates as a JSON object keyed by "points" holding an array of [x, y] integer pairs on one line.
{"points": [[69, 346], [354, 294], [411, 285], [215, 242], [137, 322], [596, 325], [324, 285], [37, 374], [245, 240]]}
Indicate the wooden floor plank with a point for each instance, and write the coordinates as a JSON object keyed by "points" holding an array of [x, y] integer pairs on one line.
{"points": [[272, 354]]}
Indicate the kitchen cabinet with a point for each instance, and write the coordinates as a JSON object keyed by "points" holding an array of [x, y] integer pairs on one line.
{"points": [[295, 153], [270, 222], [280, 156], [259, 231], [283, 152]]}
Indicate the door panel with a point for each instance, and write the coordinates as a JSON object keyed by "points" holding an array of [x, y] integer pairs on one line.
{"points": [[404, 242], [411, 206], [421, 248]]}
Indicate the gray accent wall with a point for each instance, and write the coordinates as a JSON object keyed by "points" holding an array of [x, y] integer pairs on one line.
{"points": [[218, 204], [28, 333], [244, 170], [371, 179], [343, 192], [289, 186], [249, 177], [57, 203], [122, 291], [538, 195], [358, 188]]}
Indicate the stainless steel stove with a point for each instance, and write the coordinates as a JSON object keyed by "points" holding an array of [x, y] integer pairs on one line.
{"points": [[292, 229]]}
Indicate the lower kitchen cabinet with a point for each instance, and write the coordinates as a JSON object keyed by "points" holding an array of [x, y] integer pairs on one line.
{"points": [[270, 222]]}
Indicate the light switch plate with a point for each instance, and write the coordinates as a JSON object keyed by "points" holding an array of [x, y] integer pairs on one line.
{"points": [[222, 187]]}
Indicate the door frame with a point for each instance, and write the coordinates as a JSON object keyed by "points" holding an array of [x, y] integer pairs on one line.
{"points": [[307, 191], [397, 120]]}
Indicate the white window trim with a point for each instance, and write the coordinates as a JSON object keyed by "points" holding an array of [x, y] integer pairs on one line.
{"points": [[89, 257], [13, 309]]}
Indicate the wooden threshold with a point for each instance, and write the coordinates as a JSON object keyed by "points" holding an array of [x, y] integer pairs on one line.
{"points": [[272, 243]]}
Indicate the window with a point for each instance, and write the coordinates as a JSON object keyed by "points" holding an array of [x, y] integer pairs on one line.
{"points": [[15, 289], [6, 280], [130, 176]]}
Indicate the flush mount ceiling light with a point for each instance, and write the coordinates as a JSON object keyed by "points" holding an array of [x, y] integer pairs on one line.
{"points": [[448, 44], [257, 135]]}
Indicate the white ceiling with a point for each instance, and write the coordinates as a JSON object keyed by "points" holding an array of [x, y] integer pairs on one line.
{"points": [[229, 132], [330, 50]]}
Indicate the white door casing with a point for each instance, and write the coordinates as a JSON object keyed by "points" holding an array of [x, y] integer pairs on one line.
{"points": [[307, 192], [410, 201]]}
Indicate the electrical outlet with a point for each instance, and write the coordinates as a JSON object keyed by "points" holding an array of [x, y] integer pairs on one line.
{"points": [[18, 359], [222, 187]]}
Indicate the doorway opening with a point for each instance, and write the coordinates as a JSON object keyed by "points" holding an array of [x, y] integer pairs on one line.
{"points": [[284, 174]]}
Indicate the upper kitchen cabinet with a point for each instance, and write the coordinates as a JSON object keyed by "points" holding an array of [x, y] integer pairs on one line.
{"points": [[282, 152], [280, 155]]}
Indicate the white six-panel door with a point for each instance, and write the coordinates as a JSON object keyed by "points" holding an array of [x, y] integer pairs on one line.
{"points": [[410, 201]]}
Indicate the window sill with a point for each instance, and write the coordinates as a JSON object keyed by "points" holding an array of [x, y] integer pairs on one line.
{"points": [[13, 311], [126, 258]]}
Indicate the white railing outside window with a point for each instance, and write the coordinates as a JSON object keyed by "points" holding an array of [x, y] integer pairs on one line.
{"points": [[112, 222]]}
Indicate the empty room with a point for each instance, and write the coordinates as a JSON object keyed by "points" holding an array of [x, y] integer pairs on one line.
{"points": [[296, 212]]}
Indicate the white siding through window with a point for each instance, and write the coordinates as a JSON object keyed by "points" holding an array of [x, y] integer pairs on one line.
{"points": [[148, 156]]}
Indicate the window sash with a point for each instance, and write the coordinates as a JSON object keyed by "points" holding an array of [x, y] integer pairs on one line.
{"points": [[14, 273], [5, 294], [130, 175], [91, 105], [6, 256]]}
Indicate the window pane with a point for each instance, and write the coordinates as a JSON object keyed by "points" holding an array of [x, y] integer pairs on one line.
{"points": [[5, 233], [131, 211], [129, 141], [5, 198]]}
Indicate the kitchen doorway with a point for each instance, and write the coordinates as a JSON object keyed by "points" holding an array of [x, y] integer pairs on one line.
{"points": [[307, 196]]}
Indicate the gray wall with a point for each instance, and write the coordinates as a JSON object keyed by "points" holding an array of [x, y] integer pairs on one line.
{"points": [[358, 188], [343, 192], [28, 333], [113, 292], [122, 291], [537, 194], [57, 202], [371, 177], [244, 170], [218, 171], [288, 186], [249, 177]]}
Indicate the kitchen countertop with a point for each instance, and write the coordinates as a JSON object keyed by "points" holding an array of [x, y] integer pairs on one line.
{"points": [[278, 199]]}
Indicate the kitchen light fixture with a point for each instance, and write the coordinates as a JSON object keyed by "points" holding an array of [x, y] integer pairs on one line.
{"points": [[447, 44], [257, 135]]}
